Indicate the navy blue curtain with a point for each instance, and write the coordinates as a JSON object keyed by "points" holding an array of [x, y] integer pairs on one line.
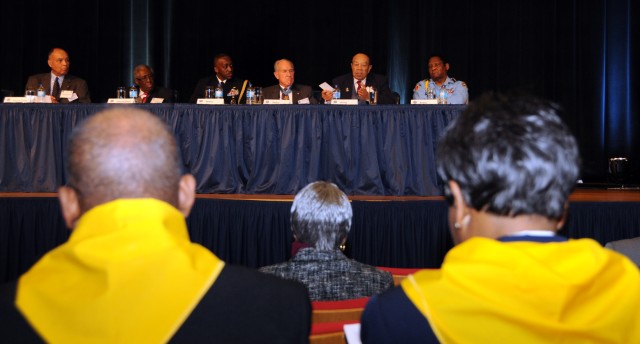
{"points": [[257, 233]]}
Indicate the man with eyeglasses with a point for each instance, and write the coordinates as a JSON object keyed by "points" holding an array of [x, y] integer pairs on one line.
{"points": [[149, 92], [355, 85], [60, 86]]}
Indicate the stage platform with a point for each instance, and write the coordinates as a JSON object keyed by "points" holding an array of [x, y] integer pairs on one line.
{"points": [[253, 230]]}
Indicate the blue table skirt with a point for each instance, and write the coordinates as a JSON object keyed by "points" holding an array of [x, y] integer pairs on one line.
{"points": [[261, 149]]}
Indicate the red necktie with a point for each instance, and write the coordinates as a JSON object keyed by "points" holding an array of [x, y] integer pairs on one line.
{"points": [[144, 99], [359, 86]]}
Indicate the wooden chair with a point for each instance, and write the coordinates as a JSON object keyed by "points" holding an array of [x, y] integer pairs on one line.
{"points": [[329, 317], [399, 273]]}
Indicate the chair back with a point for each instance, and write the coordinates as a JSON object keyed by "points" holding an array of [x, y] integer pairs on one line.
{"points": [[329, 317], [399, 274]]}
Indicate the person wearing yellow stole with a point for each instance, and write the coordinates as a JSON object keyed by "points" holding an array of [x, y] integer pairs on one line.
{"points": [[510, 163], [129, 272]]}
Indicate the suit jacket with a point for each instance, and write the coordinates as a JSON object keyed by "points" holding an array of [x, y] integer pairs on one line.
{"points": [[160, 92], [70, 82], [628, 247], [242, 306], [298, 92], [212, 81], [380, 82], [331, 276]]}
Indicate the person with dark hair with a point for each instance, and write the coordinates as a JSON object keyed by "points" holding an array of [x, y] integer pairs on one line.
{"points": [[234, 89], [456, 92], [509, 164], [59, 85], [149, 92], [286, 89], [320, 220], [129, 272], [354, 85]]}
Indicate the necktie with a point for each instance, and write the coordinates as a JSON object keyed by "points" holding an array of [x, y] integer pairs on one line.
{"points": [[359, 86], [56, 89], [285, 93], [144, 99]]}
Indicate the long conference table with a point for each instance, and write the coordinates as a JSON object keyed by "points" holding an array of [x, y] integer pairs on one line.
{"points": [[250, 160]]}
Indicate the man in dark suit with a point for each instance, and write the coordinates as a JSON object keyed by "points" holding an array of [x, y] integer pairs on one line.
{"points": [[286, 88], [233, 88], [129, 271], [58, 84], [143, 77], [354, 85]]}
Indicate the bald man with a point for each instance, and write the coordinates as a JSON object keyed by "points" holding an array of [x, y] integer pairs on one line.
{"points": [[354, 85], [59, 85], [129, 271]]}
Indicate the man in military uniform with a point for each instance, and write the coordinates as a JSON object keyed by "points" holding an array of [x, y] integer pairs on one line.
{"points": [[234, 88], [456, 92]]}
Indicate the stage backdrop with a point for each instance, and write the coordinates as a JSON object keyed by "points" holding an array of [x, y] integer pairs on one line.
{"points": [[582, 54]]}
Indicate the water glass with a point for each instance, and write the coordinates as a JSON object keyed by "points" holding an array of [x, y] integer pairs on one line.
{"points": [[258, 94], [31, 95], [431, 94], [120, 92], [209, 92]]}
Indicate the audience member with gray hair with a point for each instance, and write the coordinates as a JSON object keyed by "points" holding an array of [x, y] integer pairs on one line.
{"points": [[129, 272], [320, 219], [509, 164]]}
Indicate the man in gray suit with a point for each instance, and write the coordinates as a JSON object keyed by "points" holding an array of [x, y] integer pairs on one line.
{"points": [[58, 84], [628, 247], [286, 89]]}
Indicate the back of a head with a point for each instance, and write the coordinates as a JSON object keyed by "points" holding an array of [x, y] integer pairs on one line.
{"points": [[321, 215], [123, 153], [511, 155]]}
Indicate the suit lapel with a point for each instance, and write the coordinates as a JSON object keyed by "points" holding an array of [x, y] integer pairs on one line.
{"points": [[295, 91]]}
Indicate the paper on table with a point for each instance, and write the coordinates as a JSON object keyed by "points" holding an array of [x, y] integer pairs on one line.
{"points": [[326, 87], [352, 333]]}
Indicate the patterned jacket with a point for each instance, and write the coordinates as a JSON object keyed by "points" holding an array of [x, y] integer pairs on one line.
{"points": [[331, 276]]}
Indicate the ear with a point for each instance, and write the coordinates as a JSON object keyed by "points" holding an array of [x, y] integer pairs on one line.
{"points": [[69, 205], [446, 67], [370, 66], [186, 194], [461, 215], [275, 74]]}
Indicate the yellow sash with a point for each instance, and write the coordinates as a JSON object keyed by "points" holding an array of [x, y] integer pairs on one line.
{"points": [[128, 274], [526, 292]]}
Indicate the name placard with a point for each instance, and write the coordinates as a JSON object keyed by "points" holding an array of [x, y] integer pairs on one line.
{"points": [[344, 101], [276, 101], [210, 101], [424, 101], [121, 101], [16, 100]]}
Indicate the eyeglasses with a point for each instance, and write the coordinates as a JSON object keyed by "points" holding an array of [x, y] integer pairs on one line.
{"points": [[146, 77]]}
